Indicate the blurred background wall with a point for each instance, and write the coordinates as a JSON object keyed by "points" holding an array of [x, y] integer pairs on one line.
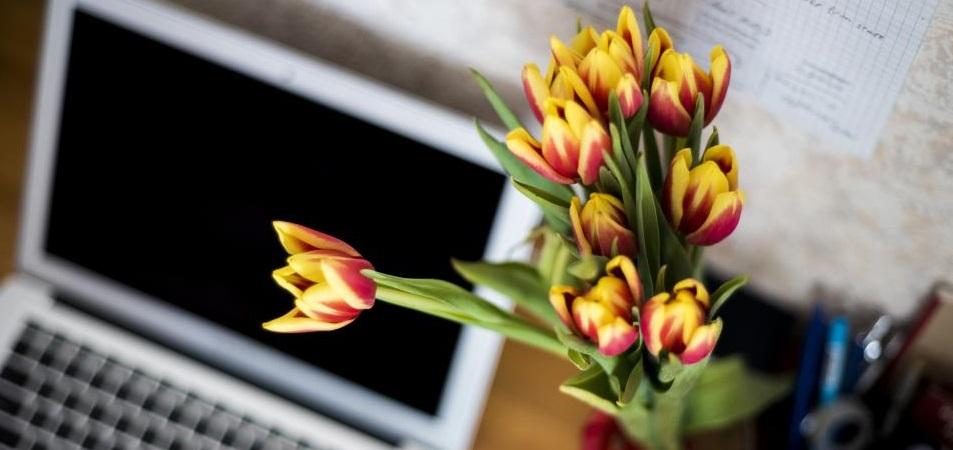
{"points": [[875, 231]]}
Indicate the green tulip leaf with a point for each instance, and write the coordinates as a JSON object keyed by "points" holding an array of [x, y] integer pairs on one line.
{"points": [[588, 268], [591, 386], [695, 131], [555, 256], [506, 115], [652, 158], [728, 392], [608, 183], [647, 18], [520, 171], [578, 359], [624, 153], [679, 264], [518, 281], [633, 382], [712, 138], [555, 210], [647, 221], [724, 292], [608, 363]]}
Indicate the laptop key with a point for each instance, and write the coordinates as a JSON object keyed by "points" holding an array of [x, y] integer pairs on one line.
{"points": [[16, 371], [12, 398], [11, 432]]}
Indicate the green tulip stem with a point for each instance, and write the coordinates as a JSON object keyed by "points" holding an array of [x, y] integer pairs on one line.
{"points": [[698, 262], [510, 325]]}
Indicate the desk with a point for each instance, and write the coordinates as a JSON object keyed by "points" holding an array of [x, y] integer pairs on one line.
{"points": [[524, 409]]}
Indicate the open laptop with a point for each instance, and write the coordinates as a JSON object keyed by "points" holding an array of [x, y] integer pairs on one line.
{"points": [[163, 145]]}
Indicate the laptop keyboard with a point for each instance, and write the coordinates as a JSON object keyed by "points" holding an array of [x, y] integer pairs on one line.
{"points": [[59, 394]]}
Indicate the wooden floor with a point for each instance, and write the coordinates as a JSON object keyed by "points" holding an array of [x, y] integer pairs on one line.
{"points": [[524, 410]]}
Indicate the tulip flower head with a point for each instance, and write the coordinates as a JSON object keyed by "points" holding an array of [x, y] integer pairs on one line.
{"points": [[600, 226], [572, 148], [703, 202], [676, 85], [676, 322], [603, 314], [324, 276]]}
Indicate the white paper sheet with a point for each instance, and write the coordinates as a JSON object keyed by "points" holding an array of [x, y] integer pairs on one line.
{"points": [[833, 67]]}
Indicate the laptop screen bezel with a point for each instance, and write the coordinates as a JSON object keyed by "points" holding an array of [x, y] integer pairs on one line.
{"points": [[477, 350]]}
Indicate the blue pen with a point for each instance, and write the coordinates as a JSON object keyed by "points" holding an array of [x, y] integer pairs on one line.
{"points": [[838, 335], [811, 356]]}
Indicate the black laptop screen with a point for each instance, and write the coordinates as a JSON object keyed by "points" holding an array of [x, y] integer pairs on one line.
{"points": [[170, 168]]}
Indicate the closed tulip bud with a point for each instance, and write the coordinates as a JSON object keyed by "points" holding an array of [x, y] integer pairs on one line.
{"points": [[630, 95], [572, 147], [324, 276], [600, 226], [704, 202], [677, 84], [603, 314], [676, 322]]}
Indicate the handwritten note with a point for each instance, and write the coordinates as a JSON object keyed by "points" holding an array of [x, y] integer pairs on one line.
{"points": [[833, 67]]}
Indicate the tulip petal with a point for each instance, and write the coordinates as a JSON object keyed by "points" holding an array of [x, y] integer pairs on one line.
{"points": [[622, 267], [584, 40], [705, 183], [676, 183], [589, 316], [627, 26], [696, 289], [297, 239], [682, 317], [724, 156], [630, 95], [560, 146], [614, 294], [720, 78], [602, 73], [580, 90], [565, 56], [296, 322], [722, 220], [659, 42], [576, 117], [287, 278], [527, 149], [536, 89], [562, 297], [595, 142], [585, 249], [308, 264], [651, 318], [702, 343], [344, 275], [616, 337], [334, 312], [666, 112]]}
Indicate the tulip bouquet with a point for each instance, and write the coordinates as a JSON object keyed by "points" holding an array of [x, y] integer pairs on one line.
{"points": [[614, 284]]}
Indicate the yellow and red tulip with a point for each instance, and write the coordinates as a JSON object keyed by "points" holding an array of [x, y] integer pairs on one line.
{"points": [[676, 322], [324, 276], [676, 85], [703, 202], [600, 226], [603, 314], [572, 147]]}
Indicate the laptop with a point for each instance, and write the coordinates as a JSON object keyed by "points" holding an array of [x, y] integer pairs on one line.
{"points": [[163, 144]]}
